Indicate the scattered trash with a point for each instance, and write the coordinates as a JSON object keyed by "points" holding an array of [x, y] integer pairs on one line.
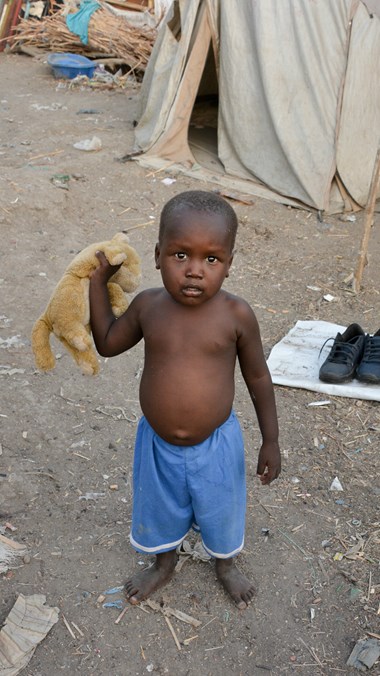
{"points": [[168, 181], [13, 341], [25, 627], [91, 496], [53, 106], [351, 218], [9, 552], [328, 297], [88, 144], [61, 181], [365, 653], [336, 485], [356, 551], [265, 531], [186, 551], [325, 402], [8, 371], [354, 593], [114, 604], [338, 556], [114, 590], [88, 111]]}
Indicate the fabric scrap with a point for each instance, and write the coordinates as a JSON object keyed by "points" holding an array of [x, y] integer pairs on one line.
{"points": [[78, 23], [25, 627]]}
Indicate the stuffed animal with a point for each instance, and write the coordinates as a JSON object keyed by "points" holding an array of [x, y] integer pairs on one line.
{"points": [[68, 312]]}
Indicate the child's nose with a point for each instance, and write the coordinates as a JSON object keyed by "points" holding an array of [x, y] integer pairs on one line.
{"points": [[194, 269]]}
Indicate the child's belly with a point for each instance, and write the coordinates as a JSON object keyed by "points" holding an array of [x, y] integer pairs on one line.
{"points": [[185, 408]]}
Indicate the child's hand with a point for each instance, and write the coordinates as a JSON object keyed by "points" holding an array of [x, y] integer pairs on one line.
{"points": [[269, 462], [104, 271]]}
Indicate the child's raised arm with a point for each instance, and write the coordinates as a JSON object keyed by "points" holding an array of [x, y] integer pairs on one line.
{"points": [[111, 336], [259, 383]]}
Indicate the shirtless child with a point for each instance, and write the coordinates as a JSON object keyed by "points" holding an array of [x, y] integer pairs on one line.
{"points": [[189, 454]]}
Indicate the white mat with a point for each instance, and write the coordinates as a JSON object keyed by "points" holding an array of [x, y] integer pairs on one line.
{"points": [[295, 361]]}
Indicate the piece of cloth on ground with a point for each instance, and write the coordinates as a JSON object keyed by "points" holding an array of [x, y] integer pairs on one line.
{"points": [[295, 361], [176, 487]]}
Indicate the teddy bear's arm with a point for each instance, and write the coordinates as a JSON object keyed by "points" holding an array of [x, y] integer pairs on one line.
{"points": [[118, 299]]}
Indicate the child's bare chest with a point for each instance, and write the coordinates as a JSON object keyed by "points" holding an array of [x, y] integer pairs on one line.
{"points": [[190, 333]]}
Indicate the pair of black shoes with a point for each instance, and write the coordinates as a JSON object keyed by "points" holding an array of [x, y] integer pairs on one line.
{"points": [[353, 355]]}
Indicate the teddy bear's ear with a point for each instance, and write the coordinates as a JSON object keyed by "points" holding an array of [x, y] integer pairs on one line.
{"points": [[120, 237]]}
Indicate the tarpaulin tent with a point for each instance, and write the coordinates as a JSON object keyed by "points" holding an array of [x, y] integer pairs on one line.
{"points": [[293, 94]]}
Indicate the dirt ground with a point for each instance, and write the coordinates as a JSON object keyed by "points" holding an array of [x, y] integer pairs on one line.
{"points": [[65, 435]]}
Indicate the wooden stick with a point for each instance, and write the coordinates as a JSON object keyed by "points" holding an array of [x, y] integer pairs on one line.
{"points": [[38, 157], [80, 632], [368, 222], [370, 633], [176, 641], [120, 617], [369, 585], [68, 627]]}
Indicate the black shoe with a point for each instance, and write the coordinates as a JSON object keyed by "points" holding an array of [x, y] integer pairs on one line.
{"points": [[368, 370], [345, 355]]}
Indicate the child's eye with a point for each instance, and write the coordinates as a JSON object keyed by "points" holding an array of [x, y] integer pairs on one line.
{"points": [[180, 255], [211, 259]]}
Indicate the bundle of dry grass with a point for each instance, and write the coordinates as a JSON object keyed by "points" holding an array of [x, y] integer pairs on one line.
{"points": [[108, 35]]}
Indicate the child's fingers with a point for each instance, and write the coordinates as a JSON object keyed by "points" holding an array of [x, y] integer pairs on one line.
{"points": [[268, 475], [101, 257]]}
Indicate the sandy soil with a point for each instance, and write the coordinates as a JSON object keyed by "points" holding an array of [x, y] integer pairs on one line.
{"points": [[65, 435]]}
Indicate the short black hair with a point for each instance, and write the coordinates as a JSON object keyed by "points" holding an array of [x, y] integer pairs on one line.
{"points": [[199, 200]]}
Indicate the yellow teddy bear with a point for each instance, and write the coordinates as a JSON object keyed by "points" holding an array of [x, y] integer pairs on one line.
{"points": [[68, 312]]}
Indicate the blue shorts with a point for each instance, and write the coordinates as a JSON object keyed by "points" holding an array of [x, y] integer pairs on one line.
{"points": [[179, 487]]}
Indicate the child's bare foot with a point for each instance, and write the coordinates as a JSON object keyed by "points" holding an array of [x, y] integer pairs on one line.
{"points": [[234, 582], [143, 584]]}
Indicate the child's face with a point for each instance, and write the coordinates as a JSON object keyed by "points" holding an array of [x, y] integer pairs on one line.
{"points": [[194, 256]]}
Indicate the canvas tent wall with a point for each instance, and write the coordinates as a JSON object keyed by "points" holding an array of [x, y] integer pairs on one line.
{"points": [[297, 85]]}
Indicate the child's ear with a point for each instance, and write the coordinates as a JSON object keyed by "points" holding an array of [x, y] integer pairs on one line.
{"points": [[229, 264], [157, 256]]}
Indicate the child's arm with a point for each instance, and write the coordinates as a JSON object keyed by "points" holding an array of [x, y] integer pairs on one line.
{"points": [[111, 336], [259, 383]]}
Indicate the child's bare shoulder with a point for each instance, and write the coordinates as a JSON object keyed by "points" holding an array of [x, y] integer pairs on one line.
{"points": [[148, 297], [241, 312], [237, 304]]}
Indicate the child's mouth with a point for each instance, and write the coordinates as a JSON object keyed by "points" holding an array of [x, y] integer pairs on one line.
{"points": [[191, 291]]}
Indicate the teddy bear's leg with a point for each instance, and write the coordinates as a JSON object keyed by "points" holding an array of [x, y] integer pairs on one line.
{"points": [[43, 354], [118, 299], [86, 360], [76, 335]]}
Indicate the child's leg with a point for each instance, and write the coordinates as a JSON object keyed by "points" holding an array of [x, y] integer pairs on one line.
{"points": [[234, 582], [144, 583]]}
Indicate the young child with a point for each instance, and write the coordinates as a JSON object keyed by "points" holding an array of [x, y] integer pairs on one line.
{"points": [[189, 454]]}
